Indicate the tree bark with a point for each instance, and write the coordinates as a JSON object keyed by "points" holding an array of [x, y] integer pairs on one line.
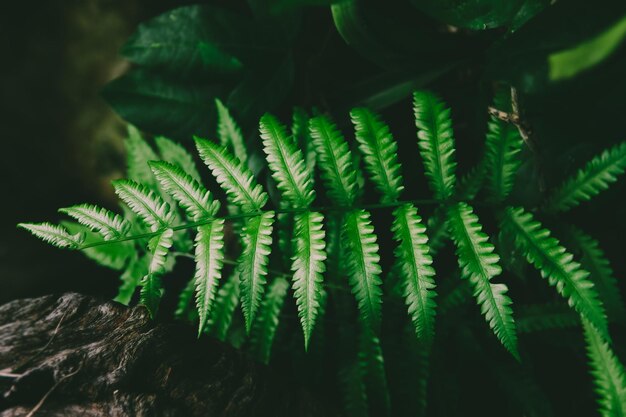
{"points": [[75, 355]]}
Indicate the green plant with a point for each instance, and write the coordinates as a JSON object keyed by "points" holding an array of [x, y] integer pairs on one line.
{"points": [[339, 238]]}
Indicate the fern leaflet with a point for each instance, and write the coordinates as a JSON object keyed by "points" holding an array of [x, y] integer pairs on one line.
{"points": [[479, 264], [176, 154], [225, 304], [503, 145], [53, 234], [101, 220], [232, 175], [608, 373], [286, 163], [209, 258], [416, 267], [191, 195], [335, 161], [555, 264], [436, 143], [380, 151], [151, 289], [363, 266], [595, 177], [267, 323], [147, 204], [302, 136], [257, 239], [229, 132], [308, 267], [138, 154]]}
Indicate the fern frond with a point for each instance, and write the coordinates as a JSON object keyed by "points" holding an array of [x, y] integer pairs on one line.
{"points": [[113, 255], [479, 264], [302, 136], [147, 204], [175, 154], [138, 154], [608, 373], [335, 161], [101, 220], [229, 132], [209, 257], [540, 317], [471, 183], [257, 241], [594, 260], [555, 264], [502, 148], [225, 304], [286, 162], [363, 266], [307, 267], [436, 142], [232, 175], [416, 268], [131, 278], [191, 195], [53, 234], [380, 151], [595, 177], [267, 322]]}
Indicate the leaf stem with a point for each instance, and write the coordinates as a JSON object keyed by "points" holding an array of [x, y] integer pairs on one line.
{"points": [[195, 224]]}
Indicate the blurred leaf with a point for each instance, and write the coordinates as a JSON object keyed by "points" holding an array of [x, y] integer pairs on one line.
{"points": [[167, 106], [397, 37], [471, 14], [567, 63]]}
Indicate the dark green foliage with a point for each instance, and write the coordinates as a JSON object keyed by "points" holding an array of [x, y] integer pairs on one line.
{"points": [[340, 281]]}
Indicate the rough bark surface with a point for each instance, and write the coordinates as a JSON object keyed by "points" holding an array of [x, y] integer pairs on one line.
{"points": [[74, 355]]}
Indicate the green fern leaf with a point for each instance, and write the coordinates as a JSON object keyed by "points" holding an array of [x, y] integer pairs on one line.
{"points": [[209, 256], [151, 288], [479, 264], [225, 303], [363, 266], [541, 317], [372, 366], [191, 195], [185, 308], [353, 390], [308, 266], [53, 234], [113, 255], [302, 136], [147, 204], [160, 245], [335, 161], [380, 151], [416, 270], [595, 177], [101, 220], [436, 142], [503, 145], [229, 132], [175, 154], [232, 175], [131, 278], [286, 162], [594, 261], [257, 239], [555, 264], [267, 323], [608, 373], [138, 154]]}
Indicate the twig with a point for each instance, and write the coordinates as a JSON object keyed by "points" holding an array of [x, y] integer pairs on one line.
{"points": [[47, 394]]}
